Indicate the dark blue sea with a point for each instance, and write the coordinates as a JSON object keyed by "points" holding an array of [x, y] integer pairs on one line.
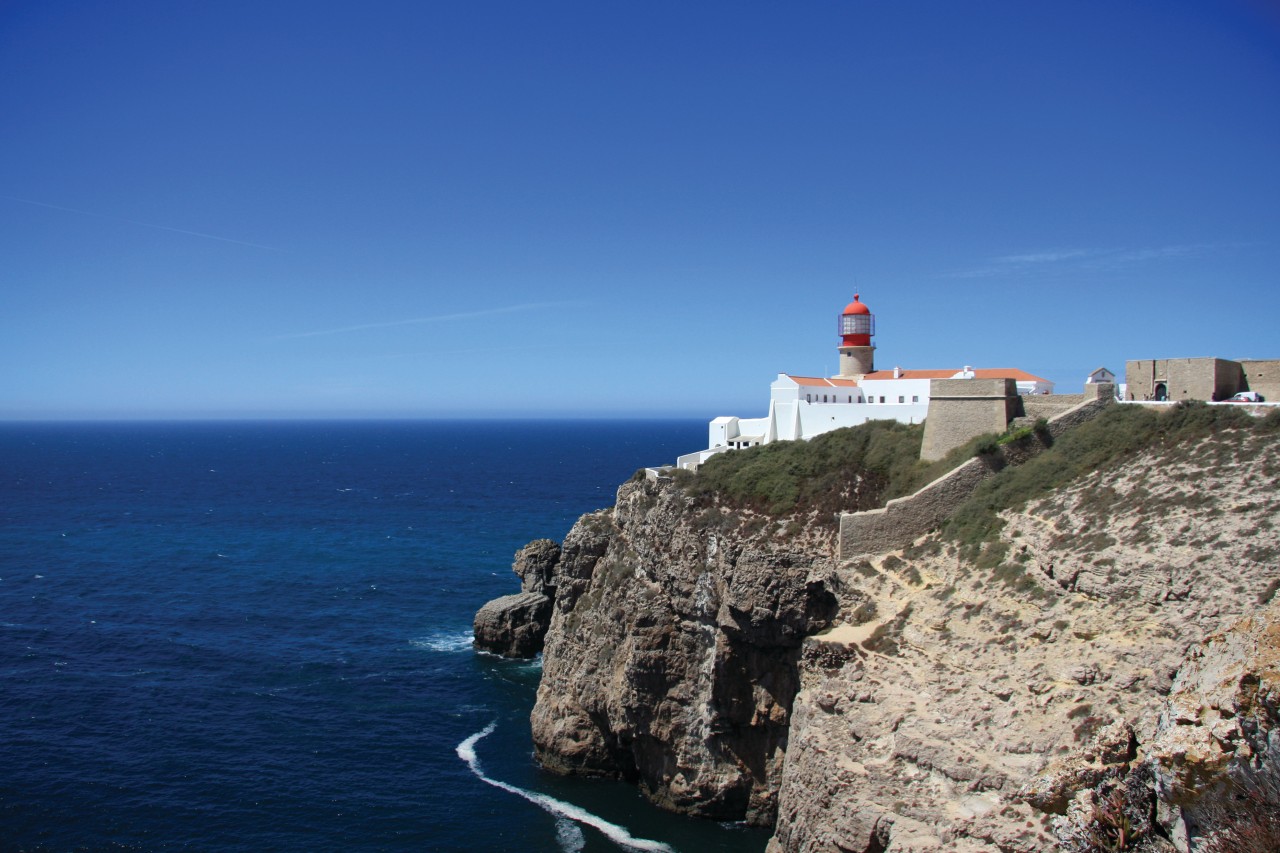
{"points": [[257, 637]]}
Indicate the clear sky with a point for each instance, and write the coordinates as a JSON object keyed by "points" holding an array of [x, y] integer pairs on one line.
{"points": [[431, 209]]}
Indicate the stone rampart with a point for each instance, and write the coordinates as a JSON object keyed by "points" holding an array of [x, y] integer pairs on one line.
{"points": [[960, 409], [1036, 406], [903, 520]]}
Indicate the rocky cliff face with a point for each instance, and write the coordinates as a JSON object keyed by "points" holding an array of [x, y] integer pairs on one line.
{"points": [[672, 654], [1089, 684], [1000, 709]]}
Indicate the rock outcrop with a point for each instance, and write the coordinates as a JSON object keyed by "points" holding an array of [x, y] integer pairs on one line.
{"points": [[672, 654], [1077, 680], [1216, 755], [515, 626], [1012, 707]]}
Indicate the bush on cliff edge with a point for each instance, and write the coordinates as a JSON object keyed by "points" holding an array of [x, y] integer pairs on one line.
{"points": [[849, 469], [1118, 434]]}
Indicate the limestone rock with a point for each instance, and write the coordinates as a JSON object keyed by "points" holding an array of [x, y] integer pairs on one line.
{"points": [[1219, 732], [535, 565], [671, 658], [1107, 756], [513, 626], [1000, 709], [919, 700]]}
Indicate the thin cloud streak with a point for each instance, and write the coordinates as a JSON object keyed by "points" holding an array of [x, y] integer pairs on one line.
{"points": [[1093, 260], [139, 222], [438, 318], [1045, 257]]}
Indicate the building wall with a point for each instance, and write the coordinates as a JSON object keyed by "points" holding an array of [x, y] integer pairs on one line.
{"points": [[817, 418], [1263, 376], [961, 409], [1228, 379], [793, 417], [909, 390], [722, 430], [1183, 378]]}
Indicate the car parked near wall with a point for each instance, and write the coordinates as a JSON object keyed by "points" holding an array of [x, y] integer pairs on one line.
{"points": [[1246, 397]]}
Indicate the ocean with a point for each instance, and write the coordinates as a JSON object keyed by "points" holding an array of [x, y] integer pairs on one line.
{"points": [[256, 636]]}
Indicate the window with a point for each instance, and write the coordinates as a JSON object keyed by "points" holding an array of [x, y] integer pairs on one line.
{"points": [[808, 398], [915, 398], [901, 398], [824, 398], [882, 398]]}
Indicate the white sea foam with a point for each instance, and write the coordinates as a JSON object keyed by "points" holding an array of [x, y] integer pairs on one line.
{"points": [[570, 836], [562, 810], [444, 641]]}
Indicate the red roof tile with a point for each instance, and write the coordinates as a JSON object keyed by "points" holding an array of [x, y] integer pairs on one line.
{"points": [[821, 382]]}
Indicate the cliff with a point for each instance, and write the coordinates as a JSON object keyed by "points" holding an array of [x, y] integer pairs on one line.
{"points": [[672, 653], [1097, 662], [988, 700]]}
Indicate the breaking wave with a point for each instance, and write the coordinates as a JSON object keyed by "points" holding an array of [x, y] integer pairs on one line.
{"points": [[570, 837], [444, 641]]}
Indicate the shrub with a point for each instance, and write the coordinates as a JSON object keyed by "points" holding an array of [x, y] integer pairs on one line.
{"points": [[1118, 434], [849, 469], [1250, 824], [1121, 817]]}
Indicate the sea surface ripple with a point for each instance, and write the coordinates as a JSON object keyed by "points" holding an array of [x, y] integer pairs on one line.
{"points": [[256, 636]]}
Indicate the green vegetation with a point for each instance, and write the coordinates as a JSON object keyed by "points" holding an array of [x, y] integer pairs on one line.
{"points": [[849, 469], [1119, 433], [863, 467]]}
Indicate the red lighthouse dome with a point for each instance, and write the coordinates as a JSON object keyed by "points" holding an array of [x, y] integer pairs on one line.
{"points": [[857, 324]]}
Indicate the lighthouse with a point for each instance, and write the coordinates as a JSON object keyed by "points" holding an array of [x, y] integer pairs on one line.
{"points": [[857, 354]]}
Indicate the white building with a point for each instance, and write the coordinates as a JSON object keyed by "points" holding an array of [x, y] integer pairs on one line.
{"points": [[1100, 375], [805, 406]]}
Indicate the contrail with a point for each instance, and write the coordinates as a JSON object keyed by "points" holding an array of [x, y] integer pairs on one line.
{"points": [[139, 222], [438, 318]]}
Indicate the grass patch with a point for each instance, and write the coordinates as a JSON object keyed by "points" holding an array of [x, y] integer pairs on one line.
{"points": [[1118, 434], [845, 470]]}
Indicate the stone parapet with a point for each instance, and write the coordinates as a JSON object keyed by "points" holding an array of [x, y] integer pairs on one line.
{"points": [[1036, 406]]}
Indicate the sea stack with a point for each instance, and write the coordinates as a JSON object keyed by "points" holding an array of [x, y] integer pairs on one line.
{"points": [[514, 626]]}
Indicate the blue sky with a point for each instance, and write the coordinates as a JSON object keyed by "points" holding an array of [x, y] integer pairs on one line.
{"points": [[429, 209]]}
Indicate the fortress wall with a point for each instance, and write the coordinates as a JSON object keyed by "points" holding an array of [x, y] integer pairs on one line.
{"points": [[1228, 378], [1047, 406], [1262, 376], [960, 409], [1184, 378], [904, 520]]}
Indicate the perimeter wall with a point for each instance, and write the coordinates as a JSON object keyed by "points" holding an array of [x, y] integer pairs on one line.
{"points": [[903, 520]]}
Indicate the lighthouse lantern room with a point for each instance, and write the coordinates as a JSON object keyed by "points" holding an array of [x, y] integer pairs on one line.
{"points": [[856, 326]]}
